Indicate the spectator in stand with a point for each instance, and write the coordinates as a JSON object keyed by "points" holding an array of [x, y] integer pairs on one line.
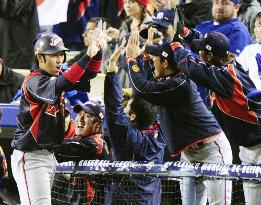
{"points": [[195, 11], [238, 115], [250, 58], [41, 115], [135, 135], [18, 25], [137, 16], [188, 127], [10, 83], [225, 21], [78, 14], [91, 25], [247, 14]]}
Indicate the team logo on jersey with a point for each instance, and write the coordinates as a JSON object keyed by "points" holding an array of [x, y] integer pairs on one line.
{"points": [[52, 110], [135, 68], [55, 41]]}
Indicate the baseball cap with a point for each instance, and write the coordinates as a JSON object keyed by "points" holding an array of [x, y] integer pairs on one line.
{"points": [[164, 50], [91, 107], [163, 18], [215, 42], [236, 1]]}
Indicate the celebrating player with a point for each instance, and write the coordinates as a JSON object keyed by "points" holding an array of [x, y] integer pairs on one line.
{"points": [[41, 115], [188, 127], [135, 135], [237, 114]]}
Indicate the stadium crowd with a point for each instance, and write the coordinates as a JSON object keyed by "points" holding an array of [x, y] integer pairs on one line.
{"points": [[182, 82]]}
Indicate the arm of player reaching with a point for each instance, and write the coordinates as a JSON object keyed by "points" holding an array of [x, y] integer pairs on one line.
{"points": [[216, 79], [125, 138], [155, 92]]}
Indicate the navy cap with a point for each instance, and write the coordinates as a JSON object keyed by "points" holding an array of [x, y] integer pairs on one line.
{"points": [[236, 1], [215, 42], [163, 50], [163, 18], [91, 107]]}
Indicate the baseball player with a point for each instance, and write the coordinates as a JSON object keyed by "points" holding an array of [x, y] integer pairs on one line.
{"points": [[135, 135], [238, 114], [40, 120], [87, 144], [188, 127]]}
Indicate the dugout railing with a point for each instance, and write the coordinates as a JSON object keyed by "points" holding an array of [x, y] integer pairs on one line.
{"points": [[73, 180]]}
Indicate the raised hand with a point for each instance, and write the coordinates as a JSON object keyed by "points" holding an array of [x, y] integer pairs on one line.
{"points": [[103, 38], [115, 57], [93, 48], [133, 50]]}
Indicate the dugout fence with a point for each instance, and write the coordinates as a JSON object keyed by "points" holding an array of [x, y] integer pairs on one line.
{"points": [[105, 182]]}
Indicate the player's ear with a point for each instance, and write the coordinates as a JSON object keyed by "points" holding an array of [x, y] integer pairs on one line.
{"points": [[165, 63], [40, 58], [209, 56]]}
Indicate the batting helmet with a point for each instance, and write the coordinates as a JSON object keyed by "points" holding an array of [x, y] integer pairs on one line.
{"points": [[49, 44]]}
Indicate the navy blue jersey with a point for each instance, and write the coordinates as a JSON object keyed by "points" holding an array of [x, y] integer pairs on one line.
{"points": [[82, 148], [40, 120], [184, 118], [238, 115], [130, 143]]}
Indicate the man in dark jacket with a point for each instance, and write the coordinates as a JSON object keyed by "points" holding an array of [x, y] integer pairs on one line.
{"points": [[135, 135], [237, 110], [188, 127], [18, 25], [10, 82], [40, 117]]}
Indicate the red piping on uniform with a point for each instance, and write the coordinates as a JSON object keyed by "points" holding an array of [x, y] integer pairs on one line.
{"points": [[90, 192], [74, 74], [94, 65], [26, 180], [219, 149], [237, 105], [99, 142], [205, 139], [34, 107], [35, 110]]}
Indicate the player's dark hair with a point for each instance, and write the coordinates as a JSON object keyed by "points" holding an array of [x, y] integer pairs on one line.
{"points": [[258, 17], [220, 60], [36, 61], [172, 64], [144, 111]]}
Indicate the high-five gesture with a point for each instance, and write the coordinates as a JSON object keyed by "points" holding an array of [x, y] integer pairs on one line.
{"points": [[93, 48], [115, 57], [103, 38], [133, 50]]}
